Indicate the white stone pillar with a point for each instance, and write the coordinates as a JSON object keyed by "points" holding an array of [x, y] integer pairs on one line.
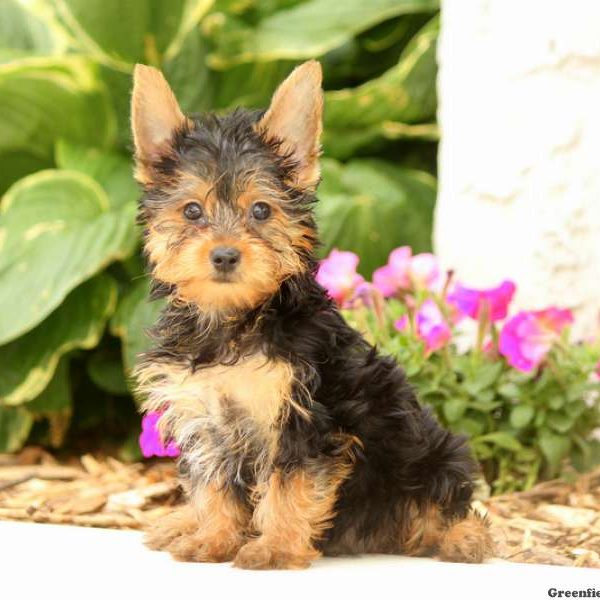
{"points": [[519, 114]]}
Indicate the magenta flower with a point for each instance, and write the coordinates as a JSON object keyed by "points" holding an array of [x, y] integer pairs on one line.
{"points": [[337, 274], [528, 336], [431, 326], [404, 271], [150, 440], [471, 302]]}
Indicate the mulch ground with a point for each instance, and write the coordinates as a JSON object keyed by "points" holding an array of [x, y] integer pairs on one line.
{"points": [[556, 522]]}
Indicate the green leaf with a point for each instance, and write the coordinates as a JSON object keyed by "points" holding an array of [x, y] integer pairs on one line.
{"points": [[560, 422], [385, 106], [309, 29], [483, 377], [554, 448], [502, 439], [510, 390], [122, 33], [15, 425], [134, 315], [55, 404], [22, 30], [56, 231], [454, 409], [250, 85], [28, 363], [106, 371], [190, 78], [521, 416], [42, 99], [114, 172], [469, 427], [16, 165], [370, 207]]}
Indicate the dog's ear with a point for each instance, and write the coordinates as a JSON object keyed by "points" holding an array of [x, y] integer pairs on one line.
{"points": [[155, 116], [295, 119]]}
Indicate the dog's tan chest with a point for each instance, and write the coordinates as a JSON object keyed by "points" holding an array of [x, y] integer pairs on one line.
{"points": [[256, 387]]}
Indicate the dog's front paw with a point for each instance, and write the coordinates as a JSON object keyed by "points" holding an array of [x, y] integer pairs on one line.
{"points": [[261, 554], [181, 522], [200, 547]]}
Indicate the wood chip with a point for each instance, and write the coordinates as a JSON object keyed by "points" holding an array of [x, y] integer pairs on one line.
{"points": [[566, 516], [555, 523]]}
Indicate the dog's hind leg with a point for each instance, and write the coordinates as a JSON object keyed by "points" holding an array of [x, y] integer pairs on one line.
{"points": [[461, 540]]}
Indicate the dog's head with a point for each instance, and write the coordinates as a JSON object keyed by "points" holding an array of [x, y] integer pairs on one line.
{"points": [[227, 199]]}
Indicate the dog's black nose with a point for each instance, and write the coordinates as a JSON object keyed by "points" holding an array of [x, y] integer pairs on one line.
{"points": [[225, 258]]}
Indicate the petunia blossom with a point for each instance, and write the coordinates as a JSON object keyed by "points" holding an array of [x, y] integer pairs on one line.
{"points": [[404, 271], [150, 440], [526, 338], [337, 274], [431, 326], [472, 302]]}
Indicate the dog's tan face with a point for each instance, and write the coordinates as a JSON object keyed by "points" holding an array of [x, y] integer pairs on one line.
{"points": [[227, 200]]}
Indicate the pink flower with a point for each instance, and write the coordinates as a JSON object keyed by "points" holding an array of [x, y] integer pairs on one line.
{"points": [[337, 274], [394, 276], [471, 302], [431, 326], [404, 271], [150, 440], [528, 336]]}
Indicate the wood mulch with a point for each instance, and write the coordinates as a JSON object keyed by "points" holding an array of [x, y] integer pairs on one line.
{"points": [[555, 523]]}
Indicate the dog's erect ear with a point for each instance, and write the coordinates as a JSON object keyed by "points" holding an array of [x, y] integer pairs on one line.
{"points": [[155, 116], [295, 119]]}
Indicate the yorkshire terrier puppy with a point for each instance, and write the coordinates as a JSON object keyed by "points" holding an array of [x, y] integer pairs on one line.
{"points": [[297, 438]]}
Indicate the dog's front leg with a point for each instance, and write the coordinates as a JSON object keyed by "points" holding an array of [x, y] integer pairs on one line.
{"points": [[211, 528], [295, 507]]}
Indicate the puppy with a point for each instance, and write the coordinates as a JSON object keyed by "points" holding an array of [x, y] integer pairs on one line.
{"points": [[297, 438]]}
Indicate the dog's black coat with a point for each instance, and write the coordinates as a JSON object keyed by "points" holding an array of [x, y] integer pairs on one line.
{"points": [[404, 457]]}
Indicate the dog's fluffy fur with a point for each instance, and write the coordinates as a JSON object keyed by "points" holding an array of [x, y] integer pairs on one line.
{"points": [[297, 438]]}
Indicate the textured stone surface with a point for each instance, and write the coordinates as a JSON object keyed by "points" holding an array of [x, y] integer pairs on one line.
{"points": [[519, 197]]}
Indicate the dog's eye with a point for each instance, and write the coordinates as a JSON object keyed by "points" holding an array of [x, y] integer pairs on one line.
{"points": [[260, 211], [192, 211]]}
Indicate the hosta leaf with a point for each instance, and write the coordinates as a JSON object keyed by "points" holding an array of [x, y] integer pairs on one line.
{"points": [[55, 404], [122, 33], [134, 315], [42, 99], [22, 30], [189, 76], [309, 29], [16, 165], [15, 425], [56, 230], [386, 105], [105, 369], [250, 85], [28, 363], [371, 207], [113, 171]]}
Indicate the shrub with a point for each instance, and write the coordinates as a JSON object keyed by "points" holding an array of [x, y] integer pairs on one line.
{"points": [[527, 398], [73, 302]]}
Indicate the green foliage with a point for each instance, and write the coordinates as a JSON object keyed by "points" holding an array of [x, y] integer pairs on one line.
{"points": [[522, 426], [362, 203], [73, 307]]}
